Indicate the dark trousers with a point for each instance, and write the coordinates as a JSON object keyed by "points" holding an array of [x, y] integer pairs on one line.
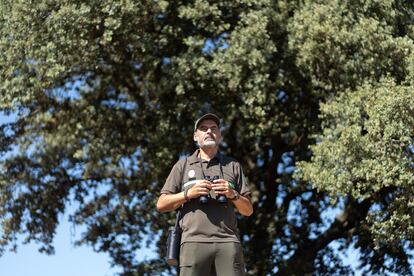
{"points": [[211, 258]]}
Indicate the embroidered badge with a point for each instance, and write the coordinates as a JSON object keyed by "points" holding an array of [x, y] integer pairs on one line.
{"points": [[191, 173]]}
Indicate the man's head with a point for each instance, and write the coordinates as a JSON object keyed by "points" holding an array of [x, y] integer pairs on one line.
{"points": [[207, 132]]}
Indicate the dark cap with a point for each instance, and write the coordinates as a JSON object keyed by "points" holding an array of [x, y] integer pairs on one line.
{"points": [[208, 116]]}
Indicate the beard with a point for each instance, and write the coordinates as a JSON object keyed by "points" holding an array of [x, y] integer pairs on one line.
{"points": [[208, 143]]}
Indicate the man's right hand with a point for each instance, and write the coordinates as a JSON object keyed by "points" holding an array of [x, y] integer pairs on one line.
{"points": [[170, 202], [202, 187]]}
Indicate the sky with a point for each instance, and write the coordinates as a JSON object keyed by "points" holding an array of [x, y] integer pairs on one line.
{"points": [[68, 260]]}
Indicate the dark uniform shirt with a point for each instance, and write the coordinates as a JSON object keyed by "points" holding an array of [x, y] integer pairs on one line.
{"points": [[212, 221]]}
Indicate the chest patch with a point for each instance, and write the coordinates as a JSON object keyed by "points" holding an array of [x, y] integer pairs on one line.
{"points": [[191, 173]]}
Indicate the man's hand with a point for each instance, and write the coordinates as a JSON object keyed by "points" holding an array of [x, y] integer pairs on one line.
{"points": [[223, 187], [202, 187]]}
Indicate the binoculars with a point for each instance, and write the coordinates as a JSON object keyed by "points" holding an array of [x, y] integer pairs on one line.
{"points": [[220, 198]]}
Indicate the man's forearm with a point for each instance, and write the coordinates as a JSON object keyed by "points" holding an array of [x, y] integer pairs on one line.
{"points": [[244, 206], [170, 202]]}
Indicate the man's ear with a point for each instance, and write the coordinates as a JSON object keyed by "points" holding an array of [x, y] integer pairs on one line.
{"points": [[195, 140]]}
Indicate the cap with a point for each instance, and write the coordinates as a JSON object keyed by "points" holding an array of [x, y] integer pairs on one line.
{"points": [[208, 116]]}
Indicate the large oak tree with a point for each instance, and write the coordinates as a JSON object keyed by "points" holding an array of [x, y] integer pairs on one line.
{"points": [[316, 101]]}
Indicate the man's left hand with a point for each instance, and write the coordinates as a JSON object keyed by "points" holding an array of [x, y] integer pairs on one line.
{"points": [[223, 187]]}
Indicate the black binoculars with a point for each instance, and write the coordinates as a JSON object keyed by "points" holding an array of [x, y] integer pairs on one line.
{"points": [[220, 198]]}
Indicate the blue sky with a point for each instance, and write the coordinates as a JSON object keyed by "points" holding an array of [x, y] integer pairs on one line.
{"points": [[68, 260]]}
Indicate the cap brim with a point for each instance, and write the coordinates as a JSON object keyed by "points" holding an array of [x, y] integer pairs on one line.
{"points": [[208, 116]]}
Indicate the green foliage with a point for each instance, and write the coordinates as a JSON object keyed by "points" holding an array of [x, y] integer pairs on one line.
{"points": [[343, 44], [367, 147], [105, 94]]}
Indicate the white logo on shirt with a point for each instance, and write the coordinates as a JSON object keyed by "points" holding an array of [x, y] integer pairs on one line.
{"points": [[191, 173]]}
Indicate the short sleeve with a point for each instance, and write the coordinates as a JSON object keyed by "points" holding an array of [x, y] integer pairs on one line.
{"points": [[173, 183], [243, 187]]}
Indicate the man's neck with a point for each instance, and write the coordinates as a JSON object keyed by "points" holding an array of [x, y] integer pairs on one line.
{"points": [[208, 153]]}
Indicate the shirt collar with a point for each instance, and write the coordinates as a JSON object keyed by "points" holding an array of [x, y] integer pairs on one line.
{"points": [[194, 157]]}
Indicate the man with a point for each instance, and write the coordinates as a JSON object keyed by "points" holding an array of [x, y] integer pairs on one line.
{"points": [[210, 240]]}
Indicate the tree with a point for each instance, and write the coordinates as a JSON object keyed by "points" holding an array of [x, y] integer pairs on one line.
{"points": [[105, 94], [366, 151]]}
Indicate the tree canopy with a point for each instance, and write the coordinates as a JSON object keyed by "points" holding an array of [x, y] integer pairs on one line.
{"points": [[316, 102]]}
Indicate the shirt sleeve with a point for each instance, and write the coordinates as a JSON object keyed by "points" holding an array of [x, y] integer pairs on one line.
{"points": [[173, 183], [243, 187]]}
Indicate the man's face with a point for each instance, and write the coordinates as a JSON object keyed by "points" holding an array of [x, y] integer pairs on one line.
{"points": [[207, 134]]}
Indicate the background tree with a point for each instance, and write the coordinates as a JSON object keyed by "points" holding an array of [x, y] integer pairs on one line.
{"points": [[105, 94]]}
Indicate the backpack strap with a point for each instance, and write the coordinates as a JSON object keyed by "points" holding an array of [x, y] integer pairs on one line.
{"points": [[182, 173], [182, 182]]}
